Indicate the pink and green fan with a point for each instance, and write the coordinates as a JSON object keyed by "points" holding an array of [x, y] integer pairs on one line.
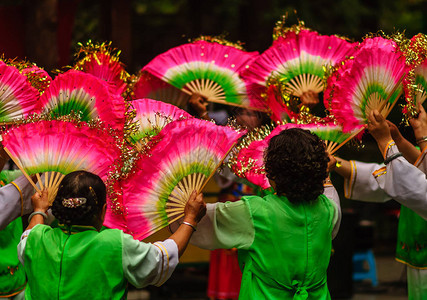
{"points": [[57, 148], [415, 83], [148, 86], [86, 95], [298, 61], [248, 161], [209, 69], [36, 76], [373, 81], [183, 158], [332, 134], [152, 116], [247, 158], [18, 98], [421, 82], [102, 61]]}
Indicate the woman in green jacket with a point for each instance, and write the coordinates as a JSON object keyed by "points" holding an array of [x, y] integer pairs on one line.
{"points": [[78, 260], [283, 240]]}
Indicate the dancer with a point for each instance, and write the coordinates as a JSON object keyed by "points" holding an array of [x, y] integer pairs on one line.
{"points": [[12, 275], [79, 259], [402, 181], [283, 240]]}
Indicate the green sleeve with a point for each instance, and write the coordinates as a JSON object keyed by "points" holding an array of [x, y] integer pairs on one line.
{"points": [[225, 226], [7, 176], [148, 264]]}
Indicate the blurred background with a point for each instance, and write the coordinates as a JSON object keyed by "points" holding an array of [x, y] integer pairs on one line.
{"points": [[47, 32]]}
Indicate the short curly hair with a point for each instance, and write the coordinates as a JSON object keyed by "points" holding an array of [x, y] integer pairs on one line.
{"points": [[80, 184], [296, 161]]}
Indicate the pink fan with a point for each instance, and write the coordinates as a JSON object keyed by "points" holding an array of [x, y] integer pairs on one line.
{"points": [[149, 86], [57, 148], [37, 77], [102, 61], [152, 116], [17, 97], [209, 69], [185, 155], [79, 92], [248, 160], [415, 83], [297, 61], [372, 81]]}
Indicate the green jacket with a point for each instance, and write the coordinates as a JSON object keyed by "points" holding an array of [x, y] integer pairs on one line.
{"points": [[290, 253], [57, 261], [411, 246]]}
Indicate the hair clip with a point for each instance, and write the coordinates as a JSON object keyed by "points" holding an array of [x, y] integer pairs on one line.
{"points": [[93, 194], [73, 202]]}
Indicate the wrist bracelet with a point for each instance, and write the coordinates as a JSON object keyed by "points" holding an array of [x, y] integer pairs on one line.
{"points": [[37, 213], [420, 140], [391, 157], [191, 225]]}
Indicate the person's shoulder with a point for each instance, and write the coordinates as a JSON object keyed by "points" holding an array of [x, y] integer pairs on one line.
{"points": [[254, 198], [39, 230], [324, 200], [111, 231]]}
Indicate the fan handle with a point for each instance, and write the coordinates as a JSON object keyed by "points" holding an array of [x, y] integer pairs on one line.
{"points": [[15, 160], [216, 168], [389, 96]]}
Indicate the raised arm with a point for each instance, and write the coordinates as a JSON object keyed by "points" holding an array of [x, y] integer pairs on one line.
{"points": [[409, 151], [404, 183], [194, 211]]}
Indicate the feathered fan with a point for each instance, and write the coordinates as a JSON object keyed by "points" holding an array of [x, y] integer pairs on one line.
{"points": [[57, 148], [152, 116], [79, 92], [297, 61], [102, 61], [184, 156], [248, 159], [209, 69], [17, 97], [149, 86], [371, 81]]}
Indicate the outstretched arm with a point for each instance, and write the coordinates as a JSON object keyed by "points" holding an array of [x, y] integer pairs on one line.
{"points": [[152, 264], [194, 211]]}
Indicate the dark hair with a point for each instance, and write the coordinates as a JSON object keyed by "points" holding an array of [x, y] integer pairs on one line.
{"points": [[297, 161], [80, 184]]}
